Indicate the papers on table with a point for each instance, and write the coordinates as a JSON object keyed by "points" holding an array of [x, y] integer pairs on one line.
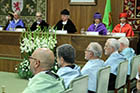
{"points": [[20, 29], [118, 34], [92, 33]]}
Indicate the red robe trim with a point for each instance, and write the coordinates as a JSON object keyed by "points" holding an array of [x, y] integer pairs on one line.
{"points": [[125, 29]]}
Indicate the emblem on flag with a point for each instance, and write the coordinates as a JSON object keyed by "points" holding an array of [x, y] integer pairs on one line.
{"points": [[17, 5]]}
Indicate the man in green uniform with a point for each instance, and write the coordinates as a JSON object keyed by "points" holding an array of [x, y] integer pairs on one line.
{"points": [[44, 81]]}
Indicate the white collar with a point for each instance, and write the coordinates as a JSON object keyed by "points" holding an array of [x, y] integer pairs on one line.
{"points": [[38, 22], [39, 73], [115, 52], [16, 20], [96, 24], [64, 22], [122, 24]]}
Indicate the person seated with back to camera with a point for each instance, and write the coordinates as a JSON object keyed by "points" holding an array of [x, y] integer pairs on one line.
{"points": [[44, 80], [66, 61], [126, 51], [93, 54], [115, 58]]}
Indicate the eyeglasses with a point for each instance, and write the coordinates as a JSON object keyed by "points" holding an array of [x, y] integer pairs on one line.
{"points": [[32, 58], [88, 50]]}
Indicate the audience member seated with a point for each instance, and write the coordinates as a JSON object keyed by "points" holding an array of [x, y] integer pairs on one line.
{"points": [[39, 22], [66, 60], [127, 52], [93, 54], [44, 80], [123, 27], [111, 49], [16, 23], [9, 18], [97, 25], [65, 23]]}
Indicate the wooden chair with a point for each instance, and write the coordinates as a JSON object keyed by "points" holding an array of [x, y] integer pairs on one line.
{"points": [[133, 72], [121, 77], [68, 91], [79, 84], [102, 80]]}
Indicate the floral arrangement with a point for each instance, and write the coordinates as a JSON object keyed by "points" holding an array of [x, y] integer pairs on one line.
{"points": [[31, 41]]}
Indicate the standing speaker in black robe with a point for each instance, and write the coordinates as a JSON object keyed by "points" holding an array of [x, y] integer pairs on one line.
{"points": [[39, 23], [65, 23]]}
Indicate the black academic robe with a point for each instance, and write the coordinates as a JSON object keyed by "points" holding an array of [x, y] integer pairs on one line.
{"points": [[6, 25], [70, 27], [42, 25]]}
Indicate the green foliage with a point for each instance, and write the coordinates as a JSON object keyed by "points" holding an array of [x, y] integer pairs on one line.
{"points": [[31, 41]]}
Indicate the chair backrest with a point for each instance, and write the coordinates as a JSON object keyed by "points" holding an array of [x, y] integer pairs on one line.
{"points": [[79, 84], [134, 67], [121, 74], [102, 80], [68, 91]]}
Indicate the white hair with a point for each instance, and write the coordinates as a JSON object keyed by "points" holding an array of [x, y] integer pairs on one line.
{"points": [[124, 41], [114, 43], [39, 13], [96, 49]]}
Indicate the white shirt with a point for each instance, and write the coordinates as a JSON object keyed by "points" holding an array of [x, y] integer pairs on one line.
{"points": [[64, 22], [16, 20], [122, 24], [137, 76]]}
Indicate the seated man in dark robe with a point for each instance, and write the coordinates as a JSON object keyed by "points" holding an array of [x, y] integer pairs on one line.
{"points": [[16, 23], [39, 22], [65, 23]]}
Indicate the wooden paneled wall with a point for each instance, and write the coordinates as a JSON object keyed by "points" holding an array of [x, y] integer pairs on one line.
{"points": [[82, 16]]}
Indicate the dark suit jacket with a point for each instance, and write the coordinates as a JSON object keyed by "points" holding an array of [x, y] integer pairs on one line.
{"points": [[42, 25]]}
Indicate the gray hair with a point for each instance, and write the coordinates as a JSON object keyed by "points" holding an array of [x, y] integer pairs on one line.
{"points": [[96, 48], [124, 41], [67, 52], [114, 43]]}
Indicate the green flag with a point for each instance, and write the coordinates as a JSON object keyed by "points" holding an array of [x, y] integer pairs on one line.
{"points": [[107, 19]]}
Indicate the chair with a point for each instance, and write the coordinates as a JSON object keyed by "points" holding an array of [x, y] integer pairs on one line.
{"points": [[102, 80], [68, 91], [121, 76], [79, 84], [134, 69]]}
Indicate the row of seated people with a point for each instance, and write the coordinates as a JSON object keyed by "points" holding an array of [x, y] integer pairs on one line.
{"points": [[66, 24], [42, 60]]}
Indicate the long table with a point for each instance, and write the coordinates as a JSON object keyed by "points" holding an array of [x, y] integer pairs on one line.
{"points": [[9, 46]]}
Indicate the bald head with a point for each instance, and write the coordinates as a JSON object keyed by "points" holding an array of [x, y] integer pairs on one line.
{"points": [[39, 16], [45, 56]]}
